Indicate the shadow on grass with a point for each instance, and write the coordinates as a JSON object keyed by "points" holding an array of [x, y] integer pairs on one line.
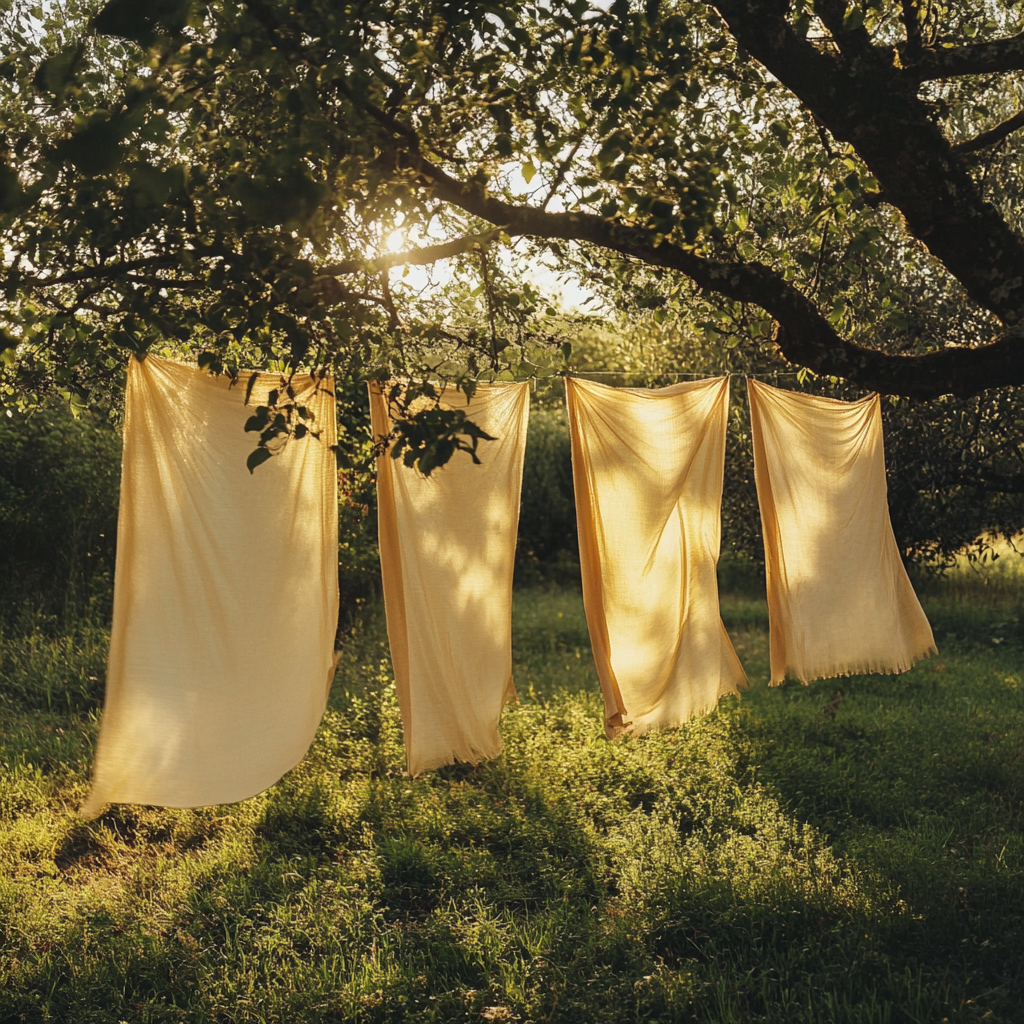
{"points": [[849, 851]]}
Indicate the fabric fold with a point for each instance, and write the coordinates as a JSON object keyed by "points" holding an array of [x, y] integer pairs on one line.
{"points": [[447, 551], [839, 598], [225, 593], [648, 469]]}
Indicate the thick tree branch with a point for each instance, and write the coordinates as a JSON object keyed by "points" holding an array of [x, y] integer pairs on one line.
{"points": [[910, 14], [803, 334], [412, 257], [991, 57], [869, 104], [852, 42], [992, 136]]}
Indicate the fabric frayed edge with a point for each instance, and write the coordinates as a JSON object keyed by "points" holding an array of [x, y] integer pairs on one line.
{"points": [[451, 758], [632, 729], [92, 809], [863, 668]]}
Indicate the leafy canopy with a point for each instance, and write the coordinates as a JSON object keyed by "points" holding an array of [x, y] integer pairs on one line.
{"points": [[815, 184]]}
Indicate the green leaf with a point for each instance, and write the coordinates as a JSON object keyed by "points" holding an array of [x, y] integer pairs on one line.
{"points": [[156, 129], [210, 361], [95, 148], [528, 171], [853, 19], [10, 189], [58, 70], [141, 21], [155, 186]]}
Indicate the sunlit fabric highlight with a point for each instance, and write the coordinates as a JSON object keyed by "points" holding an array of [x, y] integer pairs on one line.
{"points": [[648, 468], [447, 547], [225, 594], [839, 600]]}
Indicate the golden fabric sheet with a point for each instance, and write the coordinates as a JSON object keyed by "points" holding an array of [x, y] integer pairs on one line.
{"points": [[648, 468], [447, 548], [225, 595], [839, 600]]}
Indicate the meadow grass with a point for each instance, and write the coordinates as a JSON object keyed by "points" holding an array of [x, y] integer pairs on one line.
{"points": [[850, 851]]}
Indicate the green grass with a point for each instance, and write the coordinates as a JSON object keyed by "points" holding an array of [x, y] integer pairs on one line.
{"points": [[851, 851]]}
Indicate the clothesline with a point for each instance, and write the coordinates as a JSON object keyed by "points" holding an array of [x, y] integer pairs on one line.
{"points": [[773, 376], [668, 373], [561, 375]]}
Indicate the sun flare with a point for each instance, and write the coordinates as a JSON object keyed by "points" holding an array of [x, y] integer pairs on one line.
{"points": [[396, 241]]}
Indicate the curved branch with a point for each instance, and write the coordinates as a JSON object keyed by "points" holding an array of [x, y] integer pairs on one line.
{"points": [[993, 135], [870, 105], [804, 336], [991, 57], [412, 257]]}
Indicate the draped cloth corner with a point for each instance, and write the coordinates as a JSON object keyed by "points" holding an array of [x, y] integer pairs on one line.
{"points": [[839, 599], [225, 594], [447, 550], [648, 468]]}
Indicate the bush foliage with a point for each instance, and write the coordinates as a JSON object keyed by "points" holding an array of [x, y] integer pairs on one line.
{"points": [[59, 479]]}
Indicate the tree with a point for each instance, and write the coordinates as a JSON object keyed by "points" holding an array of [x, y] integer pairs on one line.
{"points": [[832, 184]]}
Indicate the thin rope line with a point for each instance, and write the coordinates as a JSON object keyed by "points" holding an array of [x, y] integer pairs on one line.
{"points": [[628, 373], [774, 374], [563, 374]]}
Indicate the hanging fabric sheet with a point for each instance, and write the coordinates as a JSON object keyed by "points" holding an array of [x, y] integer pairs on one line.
{"points": [[648, 468], [447, 547], [839, 600], [225, 594]]}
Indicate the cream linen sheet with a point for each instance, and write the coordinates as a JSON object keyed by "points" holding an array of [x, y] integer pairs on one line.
{"points": [[447, 547], [225, 595], [839, 599], [648, 468]]}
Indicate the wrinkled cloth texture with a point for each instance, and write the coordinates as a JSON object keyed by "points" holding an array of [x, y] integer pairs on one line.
{"points": [[648, 470], [225, 594], [447, 549], [839, 599]]}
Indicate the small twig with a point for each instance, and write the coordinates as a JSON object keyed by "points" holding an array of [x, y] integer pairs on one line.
{"points": [[560, 174], [816, 280], [389, 301], [823, 135], [489, 299], [160, 282]]}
